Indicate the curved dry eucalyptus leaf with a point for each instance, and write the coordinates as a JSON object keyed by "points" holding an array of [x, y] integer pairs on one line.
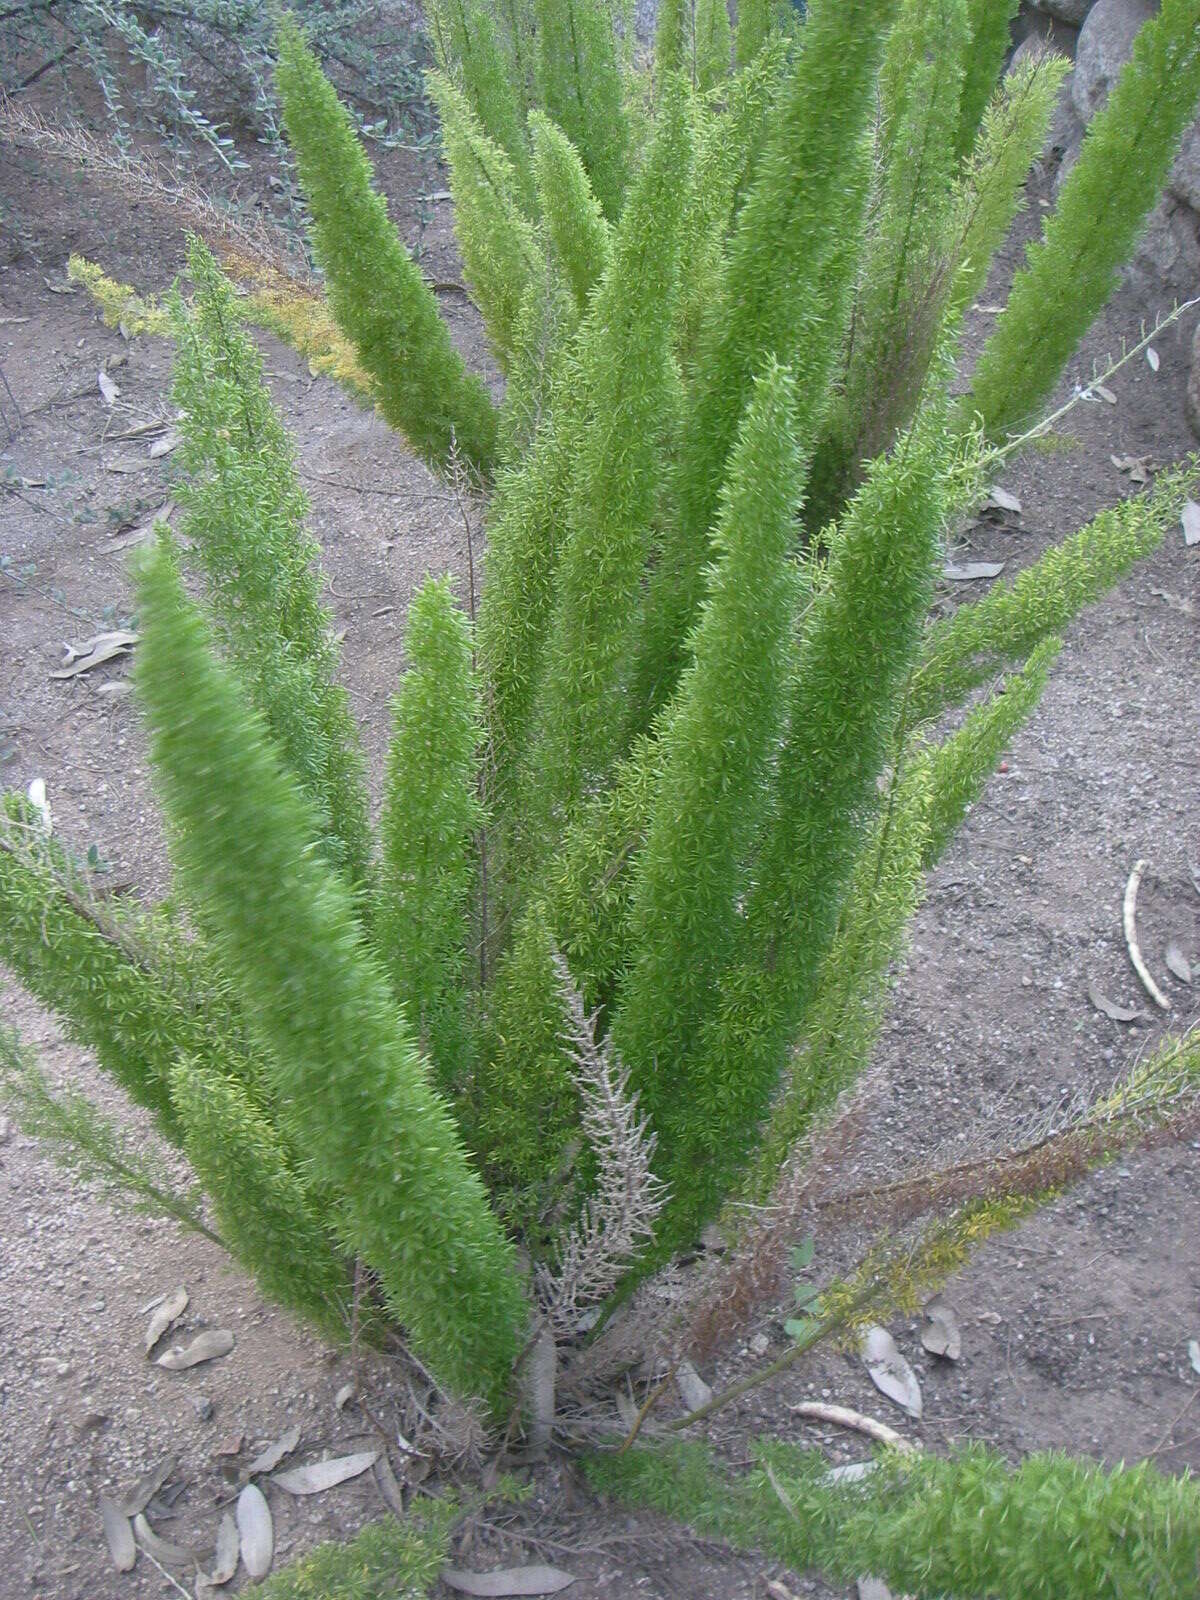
{"points": [[256, 1531], [169, 1310], [94, 652], [267, 1460], [1194, 1354], [171, 1555], [969, 571], [852, 1472], [1178, 964], [1000, 500], [508, 1580], [147, 1486], [225, 1562], [118, 1534], [108, 389], [206, 1346], [388, 1484], [344, 1396], [1190, 518], [940, 1333], [1152, 358], [1109, 1007], [321, 1475], [1129, 919], [693, 1390], [890, 1372]]}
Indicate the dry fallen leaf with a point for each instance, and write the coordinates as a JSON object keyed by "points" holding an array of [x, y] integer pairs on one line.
{"points": [[108, 389], [344, 1396], [508, 1580], [1109, 1007], [940, 1333], [267, 1460], [171, 1555], [889, 1371], [1139, 468], [146, 1488], [135, 535], [1152, 358], [1194, 1354], [322, 1475], [1178, 963], [693, 1390], [225, 1562], [163, 446], [60, 288], [852, 1472], [256, 1531], [93, 652], [206, 1346], [118, 1532], [389, 1484], [168, 1311], [1000, 500], [1190, 517], [968, 571], [873, 1589], [1105, 394]]}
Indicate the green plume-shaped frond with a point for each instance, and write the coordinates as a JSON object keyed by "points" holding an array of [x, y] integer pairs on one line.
{"points": [[753, 26], [630, 391], [717, 741], [579, 83], [855, 655], [244, 515], [422, 925], [352, 1092], [790, 266], [572, 215], [1126, 155], [376, 291], [988, 195], [989, 23], [962, 763], [267, 1219], [499, 251], [907, 262], [713, 43], [470, 48], [87, 1144], [1011, 620], [126, 986], [547, 321]]}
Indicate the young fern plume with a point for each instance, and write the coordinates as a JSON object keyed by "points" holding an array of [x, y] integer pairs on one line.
{"points": [[630, 389], [499, 251], [580, 89], [715, 753], [1126, 155], [969, 647], [854, 657], [244, 514], [1049, 1529], [266, 1215], [431, 814], [470, 49], [86, 1143], [375, 289], [578, 233], [342, 1059], [789, 268]]}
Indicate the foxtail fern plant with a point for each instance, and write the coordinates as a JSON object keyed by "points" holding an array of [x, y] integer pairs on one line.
{"points": [[666, 804]]}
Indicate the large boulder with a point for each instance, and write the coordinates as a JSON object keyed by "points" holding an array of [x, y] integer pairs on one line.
{"points": [[1069, 11], [1105, 45]]}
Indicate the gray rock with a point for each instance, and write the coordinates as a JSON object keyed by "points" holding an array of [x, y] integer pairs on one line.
{"points": [[1184, 182], [1167, 259], [1105, 45], [1071, 11]]}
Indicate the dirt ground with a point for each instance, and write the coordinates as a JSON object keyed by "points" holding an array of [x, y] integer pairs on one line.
{"points": [[1075, 1328]]}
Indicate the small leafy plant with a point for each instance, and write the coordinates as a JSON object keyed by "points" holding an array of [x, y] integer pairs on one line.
{"points": [[660, 800]]}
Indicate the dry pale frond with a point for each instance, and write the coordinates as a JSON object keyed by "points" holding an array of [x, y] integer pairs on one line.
{"points": [[619, 1215]]}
